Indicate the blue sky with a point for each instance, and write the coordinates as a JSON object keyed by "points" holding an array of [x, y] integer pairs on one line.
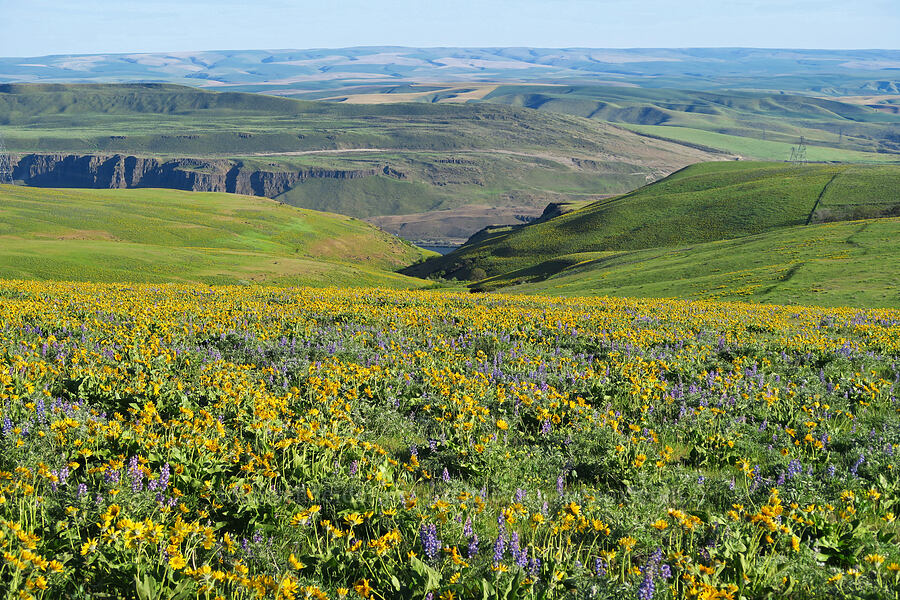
{"points": [[38, 27]]}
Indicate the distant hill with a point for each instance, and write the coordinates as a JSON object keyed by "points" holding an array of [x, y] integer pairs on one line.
{"points": [[153, 235], [362, 160], [701, 203], [755, 125], [780, 120], [822, 72]]}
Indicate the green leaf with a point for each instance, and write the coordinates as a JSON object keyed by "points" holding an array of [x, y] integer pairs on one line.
{"points": [[146, 588], [432, 578]]}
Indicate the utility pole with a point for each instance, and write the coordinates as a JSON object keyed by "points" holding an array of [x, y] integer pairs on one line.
{"points": [[798, 152], [6, 171]]}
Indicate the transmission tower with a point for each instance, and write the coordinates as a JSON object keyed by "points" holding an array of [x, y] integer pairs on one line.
{"points": [[6, 171], [798, 152]]}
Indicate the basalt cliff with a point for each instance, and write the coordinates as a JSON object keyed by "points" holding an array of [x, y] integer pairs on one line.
{"points": [[193, 174]]}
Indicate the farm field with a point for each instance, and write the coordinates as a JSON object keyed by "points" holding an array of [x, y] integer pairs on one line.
{"points": [[154, 235], [755, 148], [174, 441]]}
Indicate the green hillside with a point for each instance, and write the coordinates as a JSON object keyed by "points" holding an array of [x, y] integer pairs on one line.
{"points": [[853, 263], [755, 125], [420, 157], [163, 119], [165, 235], [701, 203]]}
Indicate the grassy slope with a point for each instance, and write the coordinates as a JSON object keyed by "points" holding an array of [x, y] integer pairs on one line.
{"points": [[168, 119], [755, 125], [166, 235], [450, 155], [761, 149], [701, 203], [836, 264]]}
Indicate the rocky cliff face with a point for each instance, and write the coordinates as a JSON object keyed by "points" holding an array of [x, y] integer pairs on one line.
{"points": [[192, 174]]}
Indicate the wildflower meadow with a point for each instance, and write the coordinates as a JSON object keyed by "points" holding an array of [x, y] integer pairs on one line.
{"points": [[251, 442]]}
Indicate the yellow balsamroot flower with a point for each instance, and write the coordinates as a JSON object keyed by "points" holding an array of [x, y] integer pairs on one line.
{"points": [[353, 519], [874, 559], [501, 424], [296, 563], [89, 546], [836, 578], [660, 524], [627, 543], [363, 588], [288, 588]]}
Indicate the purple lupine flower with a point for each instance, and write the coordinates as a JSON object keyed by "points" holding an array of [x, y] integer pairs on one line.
{"points": [[430, 542], [137, 475], [500, 546], [520, 494], [560, 484], [646, 588], [111, 476], [665, 571], [546, 427], [599, 567], [795, 467], [514, 549], [857, 465], [534, 566], [522, 560], [354, 467], [467, 528], [82, 489], [164, 477], [473, 546], [445, 476]]}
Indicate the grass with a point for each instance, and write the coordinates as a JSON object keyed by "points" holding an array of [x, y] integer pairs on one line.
{"points": [[761, 116], [836, 264], [445, 156], [701, 203], [162, 119], [760, 149], [166, 235]]}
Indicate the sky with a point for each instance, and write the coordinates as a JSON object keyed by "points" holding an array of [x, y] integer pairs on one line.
{"points": [[41, 27]]}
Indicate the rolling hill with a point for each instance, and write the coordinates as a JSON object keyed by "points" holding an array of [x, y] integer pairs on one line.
{"points": [[361, 160], [153, 235], [823, 72], [850, 131], [701, 203], [851, 263]]}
